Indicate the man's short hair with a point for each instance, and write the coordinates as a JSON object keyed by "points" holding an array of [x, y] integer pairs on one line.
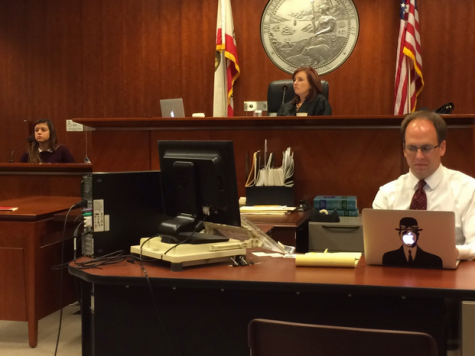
{"points": [[437, 121]]}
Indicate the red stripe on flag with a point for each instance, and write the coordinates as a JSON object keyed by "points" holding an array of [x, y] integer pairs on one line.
{"points": [[409, 63]]}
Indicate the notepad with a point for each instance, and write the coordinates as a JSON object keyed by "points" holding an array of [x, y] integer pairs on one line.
{"points": [[8, 208], [338, 259]]}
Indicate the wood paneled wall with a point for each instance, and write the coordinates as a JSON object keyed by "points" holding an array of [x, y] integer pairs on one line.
{"points": [[116, 58]]}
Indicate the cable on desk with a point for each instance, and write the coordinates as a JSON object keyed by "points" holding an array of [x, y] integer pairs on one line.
{"points": [[75, 236], [109, 259], [141, 245]]}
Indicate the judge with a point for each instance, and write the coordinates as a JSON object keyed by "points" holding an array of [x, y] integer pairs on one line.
{"points": [[45, 147], [308, 95]]}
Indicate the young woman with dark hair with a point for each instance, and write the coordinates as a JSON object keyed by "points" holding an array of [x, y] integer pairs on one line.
{"points": [[45, 147]]}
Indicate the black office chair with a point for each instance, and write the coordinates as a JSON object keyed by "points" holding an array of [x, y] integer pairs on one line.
{"points": [[278, 338], [275, 92]]}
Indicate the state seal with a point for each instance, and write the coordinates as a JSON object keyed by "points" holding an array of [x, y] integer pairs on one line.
{"points": [[317, 33]]}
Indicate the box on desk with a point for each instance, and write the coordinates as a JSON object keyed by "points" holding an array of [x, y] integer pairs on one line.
{"points": [[345, 236], [276, 195], [352, 213], [335, 202]]}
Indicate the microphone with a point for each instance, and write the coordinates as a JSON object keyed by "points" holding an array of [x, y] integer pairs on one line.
{"points": [[29, 139], [284, 90]]}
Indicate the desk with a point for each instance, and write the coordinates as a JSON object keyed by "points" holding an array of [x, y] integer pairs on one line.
{"points": [[29, 247], [206, 309]]}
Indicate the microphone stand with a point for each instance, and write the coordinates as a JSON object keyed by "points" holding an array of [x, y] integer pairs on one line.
{"points": [[29, 139], [284, 90]]}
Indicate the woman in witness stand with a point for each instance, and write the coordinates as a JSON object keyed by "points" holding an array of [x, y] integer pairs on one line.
{"points": [[308, 95], [45, 148]]}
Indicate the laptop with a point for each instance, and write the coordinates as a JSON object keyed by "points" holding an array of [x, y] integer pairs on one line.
{"points": [[410, 238], [172, 108]]}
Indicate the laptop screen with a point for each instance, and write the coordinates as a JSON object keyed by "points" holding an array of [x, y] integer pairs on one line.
{"points": [[172, 108], [410, 238]]}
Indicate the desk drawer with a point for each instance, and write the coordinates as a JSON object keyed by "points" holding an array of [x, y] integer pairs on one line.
{"points": [[345, 236]]}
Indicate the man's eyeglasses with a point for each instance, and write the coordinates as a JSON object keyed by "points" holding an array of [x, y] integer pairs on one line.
{"points": [[425, 149]]}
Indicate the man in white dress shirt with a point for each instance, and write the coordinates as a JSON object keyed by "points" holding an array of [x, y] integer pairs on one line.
{"points": [[429, 185]]}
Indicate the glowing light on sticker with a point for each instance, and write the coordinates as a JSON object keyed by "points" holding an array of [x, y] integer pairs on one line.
{"points": [[409, 238]]}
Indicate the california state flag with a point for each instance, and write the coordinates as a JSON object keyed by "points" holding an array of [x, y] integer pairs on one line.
{"points": [[226, 69]]}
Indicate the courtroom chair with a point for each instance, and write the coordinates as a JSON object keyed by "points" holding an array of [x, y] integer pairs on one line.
{"points": [[276, 338], [275, 92]]}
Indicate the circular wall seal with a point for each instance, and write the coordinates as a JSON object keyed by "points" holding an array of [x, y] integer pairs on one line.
{"points": [[317, 33]]}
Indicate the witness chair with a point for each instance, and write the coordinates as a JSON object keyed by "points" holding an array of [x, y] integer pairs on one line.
{"points": [[278, 338], [275, 92]]}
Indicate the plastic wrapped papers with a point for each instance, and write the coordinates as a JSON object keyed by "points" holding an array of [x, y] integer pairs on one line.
{"points": [[338, 259]]}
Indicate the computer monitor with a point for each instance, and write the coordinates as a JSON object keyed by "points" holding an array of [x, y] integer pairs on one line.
{"points": [[199, 182]]}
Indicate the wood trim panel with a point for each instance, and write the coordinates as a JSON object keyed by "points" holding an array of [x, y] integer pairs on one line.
{"points": [[12, 304], [23, 179], [89, 58], [344, 155]]}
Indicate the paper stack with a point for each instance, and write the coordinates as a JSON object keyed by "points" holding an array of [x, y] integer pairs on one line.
{"points": [[266, 210], [269, 175]]}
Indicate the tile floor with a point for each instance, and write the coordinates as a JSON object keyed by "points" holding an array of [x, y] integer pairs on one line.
{"points": [[14, 336]]}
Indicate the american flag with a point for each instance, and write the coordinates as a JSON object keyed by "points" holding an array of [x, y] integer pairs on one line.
{"points": [[409, 81]]}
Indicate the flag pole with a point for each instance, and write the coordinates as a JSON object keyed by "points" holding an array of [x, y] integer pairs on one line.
{"points": [[223, 57], [408, 98]]}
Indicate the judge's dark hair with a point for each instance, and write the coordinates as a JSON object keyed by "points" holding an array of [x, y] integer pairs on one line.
{"points": [[33, 153], [314, 81], [437, 121]]}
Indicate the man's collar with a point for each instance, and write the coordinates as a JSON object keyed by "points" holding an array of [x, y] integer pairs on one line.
{"points": [[432, 181]]}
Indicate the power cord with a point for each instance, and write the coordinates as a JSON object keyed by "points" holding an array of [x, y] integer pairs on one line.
{"points": [[143, 243], [157, 310], [109, 259], [80, 204]]}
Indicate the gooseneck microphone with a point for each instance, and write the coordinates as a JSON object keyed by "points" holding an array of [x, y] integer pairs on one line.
{"points": [[284, 90], [29, 139]]}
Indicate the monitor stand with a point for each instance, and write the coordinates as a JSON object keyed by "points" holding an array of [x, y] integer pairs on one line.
{"points": [[184, 255]]}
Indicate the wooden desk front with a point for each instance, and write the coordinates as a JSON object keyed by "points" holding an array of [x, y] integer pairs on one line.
{"points": [[205, 310], [29, 247], [25, 179], [337, 155]]}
